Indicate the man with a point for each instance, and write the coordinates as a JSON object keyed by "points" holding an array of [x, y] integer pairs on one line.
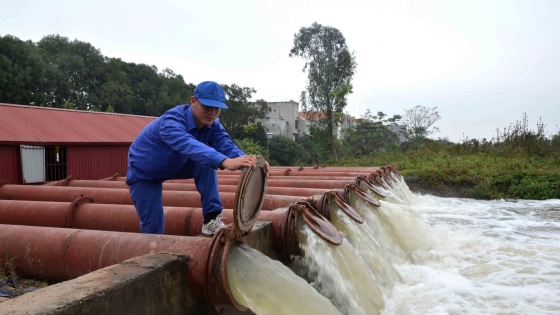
{"points": [[187, 141]]}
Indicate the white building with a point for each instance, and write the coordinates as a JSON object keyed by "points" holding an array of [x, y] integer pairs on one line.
{"points": [[283, 120]]}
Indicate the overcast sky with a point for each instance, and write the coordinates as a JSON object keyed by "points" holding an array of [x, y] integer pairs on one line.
{"points": [[482, 63]]}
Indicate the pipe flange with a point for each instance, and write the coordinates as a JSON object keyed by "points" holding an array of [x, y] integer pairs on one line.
{"points": [[362, 194], [376, 178], [325, 207], [321, 226], [369, 185], [383, 174], [73, 208], [218, 292]]}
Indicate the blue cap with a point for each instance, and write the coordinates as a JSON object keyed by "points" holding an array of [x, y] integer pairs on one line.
{"points": [[210, 93]]}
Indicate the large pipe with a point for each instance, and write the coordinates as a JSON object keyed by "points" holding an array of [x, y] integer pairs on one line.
{"points": [[325, 169], [304, 174], [276, 190], [275, 182], [122, 196], [82, 214], [63, 254]]}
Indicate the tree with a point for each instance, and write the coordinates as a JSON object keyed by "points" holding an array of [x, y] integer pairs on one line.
{"points": [[371, 134], [330, 67], [241, 111], [283, 150], [76, 63], [418, 122], [253, 131], [23, 72]]}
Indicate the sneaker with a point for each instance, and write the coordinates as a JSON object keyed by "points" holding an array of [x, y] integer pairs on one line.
{"points": [[213, 226]]}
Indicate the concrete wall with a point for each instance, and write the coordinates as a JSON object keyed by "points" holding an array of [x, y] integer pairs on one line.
{"points": [[155, 284]]}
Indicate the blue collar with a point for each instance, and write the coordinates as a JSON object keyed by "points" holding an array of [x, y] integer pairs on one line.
{"points": [[191, 123]]}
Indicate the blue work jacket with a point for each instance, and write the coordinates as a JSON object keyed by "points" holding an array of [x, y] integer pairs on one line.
{"points": [[165, 145]]}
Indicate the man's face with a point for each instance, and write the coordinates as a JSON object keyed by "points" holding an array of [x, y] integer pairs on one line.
{"points": [[203, 115]]}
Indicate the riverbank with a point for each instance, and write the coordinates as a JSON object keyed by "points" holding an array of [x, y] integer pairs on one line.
{"points": [[483, 174]]}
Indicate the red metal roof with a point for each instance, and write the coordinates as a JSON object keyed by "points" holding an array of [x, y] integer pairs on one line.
{"points": [[42, 125]]}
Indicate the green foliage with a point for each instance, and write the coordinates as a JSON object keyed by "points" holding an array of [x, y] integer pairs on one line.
{"points": [[248, 146], [241, 111], [24, 73], [370, 135], [307, 154], [57, 72], [320, 148], [525, 165], [330, 67], [284, 151], [253, 131]]}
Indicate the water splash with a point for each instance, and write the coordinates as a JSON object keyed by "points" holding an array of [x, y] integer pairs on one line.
{"points": [[500, 258], [401, 232], [361, 238], [269, 288], [340, 274]]}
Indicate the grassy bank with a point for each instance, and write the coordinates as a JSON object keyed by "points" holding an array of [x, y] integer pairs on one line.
{"points": [[478, 170]]}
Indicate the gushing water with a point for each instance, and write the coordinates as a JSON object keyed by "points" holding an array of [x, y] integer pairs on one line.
{"points": [[268, 288], [360, 236], [340, 274], [401, 232], [497, 257], [423, 255]]}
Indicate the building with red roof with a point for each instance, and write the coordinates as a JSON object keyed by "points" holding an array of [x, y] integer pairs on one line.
{"points": [[40, 144]]}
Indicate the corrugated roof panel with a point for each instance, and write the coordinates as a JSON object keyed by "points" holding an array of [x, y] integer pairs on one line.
{"points": [[33, 124]]}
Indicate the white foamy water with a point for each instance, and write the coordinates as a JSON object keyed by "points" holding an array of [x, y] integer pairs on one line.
{"points": [[361, 238], [490, 257], [340, 274]]}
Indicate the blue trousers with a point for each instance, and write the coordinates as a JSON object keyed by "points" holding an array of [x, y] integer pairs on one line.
{"points": [[147, 195]]}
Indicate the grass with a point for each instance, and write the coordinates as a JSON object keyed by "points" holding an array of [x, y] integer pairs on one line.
{"points": [[482, 173], [7, 269]]}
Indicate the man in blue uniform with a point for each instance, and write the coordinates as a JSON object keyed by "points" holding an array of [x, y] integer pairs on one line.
{"points": [[187, 141]]}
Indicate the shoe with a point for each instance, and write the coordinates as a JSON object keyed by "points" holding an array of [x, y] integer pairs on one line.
{"points": [[213, 226]]}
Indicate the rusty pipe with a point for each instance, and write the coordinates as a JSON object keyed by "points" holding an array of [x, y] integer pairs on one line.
{"points": [[327, 169], [304, 174], [275, 190], [84, 215], [63, 254], [122, 196]]}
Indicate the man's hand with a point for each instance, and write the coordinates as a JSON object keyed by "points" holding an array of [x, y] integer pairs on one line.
{"points": [[237, 163]]}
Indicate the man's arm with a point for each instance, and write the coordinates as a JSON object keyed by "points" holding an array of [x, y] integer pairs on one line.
{"points": [[174, 133]]}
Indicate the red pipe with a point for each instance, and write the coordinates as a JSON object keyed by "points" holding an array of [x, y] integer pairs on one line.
{"points": [[122, 196], [325, 169], [303, 174], [304, 192], [274, 182], [82, 214], [63, 254]]}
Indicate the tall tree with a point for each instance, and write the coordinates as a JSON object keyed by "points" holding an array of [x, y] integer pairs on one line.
{"points": [[23, 72], [419, 122], [76, 63], [371, 134], [241, 111], [330, 68]]}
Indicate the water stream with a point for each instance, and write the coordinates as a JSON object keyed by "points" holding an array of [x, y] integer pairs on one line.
{"points": [[415, 255], [267, 287], [498, 257]]}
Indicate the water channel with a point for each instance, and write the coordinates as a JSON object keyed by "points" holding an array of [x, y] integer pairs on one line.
{"points": [[416, 254]]}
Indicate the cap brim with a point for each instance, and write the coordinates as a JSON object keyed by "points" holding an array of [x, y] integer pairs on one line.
{"points": [[212, 103]]}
